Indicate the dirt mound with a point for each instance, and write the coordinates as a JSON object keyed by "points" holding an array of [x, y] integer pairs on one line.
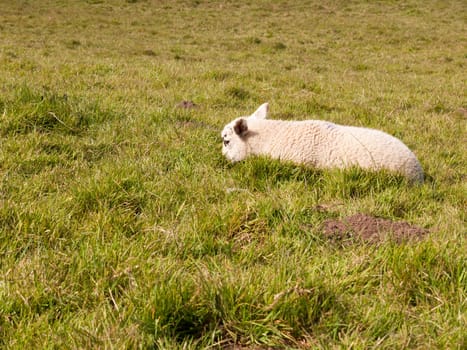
{"points": [[370, 229], [187, 105]]}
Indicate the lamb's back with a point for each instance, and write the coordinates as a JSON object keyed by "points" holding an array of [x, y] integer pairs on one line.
{"points": [[327, 145]]}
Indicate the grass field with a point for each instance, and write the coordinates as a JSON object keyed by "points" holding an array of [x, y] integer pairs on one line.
{"points": [[122, 226]]}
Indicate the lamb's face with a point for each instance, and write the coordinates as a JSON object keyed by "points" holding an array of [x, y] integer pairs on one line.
{"points": [[234, 136], [234, 146]]}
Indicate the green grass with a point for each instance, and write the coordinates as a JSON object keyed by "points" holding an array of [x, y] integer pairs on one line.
{"points": [[122, 226]]}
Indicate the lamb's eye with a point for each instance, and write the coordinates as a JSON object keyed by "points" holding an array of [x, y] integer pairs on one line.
{"points": [[226, 142]]}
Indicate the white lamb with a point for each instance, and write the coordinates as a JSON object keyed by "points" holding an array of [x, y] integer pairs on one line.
{"points": [[317, 143]]}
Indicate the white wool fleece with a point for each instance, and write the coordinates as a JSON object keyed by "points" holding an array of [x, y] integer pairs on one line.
{"points": [[317, 143]]}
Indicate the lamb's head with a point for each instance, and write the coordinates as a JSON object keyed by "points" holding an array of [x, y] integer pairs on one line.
{"points": [[234, 135]]}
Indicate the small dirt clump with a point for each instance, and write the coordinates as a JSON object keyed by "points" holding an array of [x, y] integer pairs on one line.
{"points": [[187, 105], [370, 229]]}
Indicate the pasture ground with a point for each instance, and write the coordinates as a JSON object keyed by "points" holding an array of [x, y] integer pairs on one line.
{"points": [[122, 226]]}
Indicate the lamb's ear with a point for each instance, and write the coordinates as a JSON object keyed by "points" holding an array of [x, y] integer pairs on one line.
{"points": [[262, 111], [241, 127]]}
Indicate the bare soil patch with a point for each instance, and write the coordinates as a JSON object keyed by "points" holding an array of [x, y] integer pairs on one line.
{"points": [[187, 105], [371, 229]]}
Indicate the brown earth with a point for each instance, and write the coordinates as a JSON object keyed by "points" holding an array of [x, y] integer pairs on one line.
{"points": [[187, 105], [371, 229]]}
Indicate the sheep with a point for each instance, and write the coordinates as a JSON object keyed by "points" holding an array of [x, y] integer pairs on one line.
{"points": [[318, 143]]}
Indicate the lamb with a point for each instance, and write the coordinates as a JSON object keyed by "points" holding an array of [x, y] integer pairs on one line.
{"points": [[318, 143]]}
